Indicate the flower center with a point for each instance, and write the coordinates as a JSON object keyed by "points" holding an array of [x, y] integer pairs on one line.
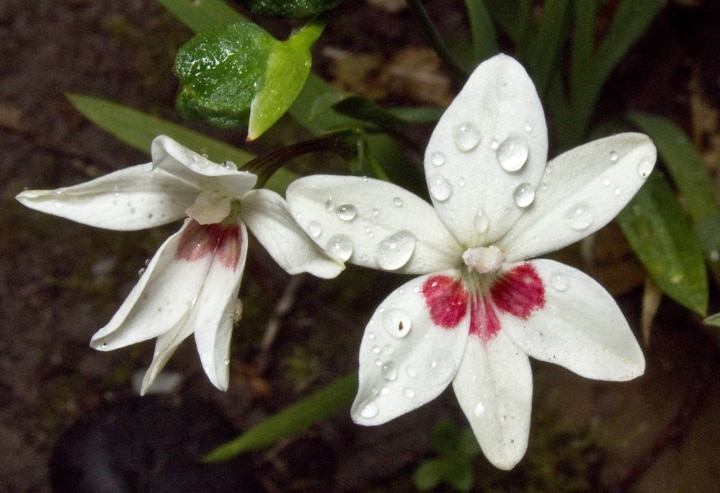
{"points": [[483, 260], [210, 207]]}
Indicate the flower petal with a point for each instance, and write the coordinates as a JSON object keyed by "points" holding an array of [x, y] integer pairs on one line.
{"points": [[494, 388], [372, 223], [128, 199], [406, 359], [198, 170], [165, 347], [212, 316], [582, 190], [165, 292], [488, 152], [267, 216], [579, 327]]}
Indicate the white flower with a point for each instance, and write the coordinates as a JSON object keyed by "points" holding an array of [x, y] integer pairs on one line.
{"points": [[480, 307], [192, 282]]}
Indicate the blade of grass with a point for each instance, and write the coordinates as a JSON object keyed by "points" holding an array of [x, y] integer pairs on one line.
{"points": [[200, 16], [546, 44], [484, 38]]}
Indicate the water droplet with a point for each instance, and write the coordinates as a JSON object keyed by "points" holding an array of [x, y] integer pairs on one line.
{"points": [[397, 323], [479, 409], [141, 271], [388, 349], [230, 165], [481, 222], [409, 393], [645, 166], [513, 153], [559, 281], [613, 156], [617, 190], [346, 212], [411, 371], [397, 201], [494, 144], [440, 188], [116, 190], [440, 368], [371, 335], [461, 182], [340, 246], [579, 217], [315, 229], [606, 181], [226, 361], [329, 204], [524, 195], [437, 158], [528, 127], [375, 212], [384, 391], [369, 410], [376, 349], [389, 371], [395, 250], [466, 136]]}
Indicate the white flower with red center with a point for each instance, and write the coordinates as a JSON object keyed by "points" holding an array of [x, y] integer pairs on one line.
{"points": [[479, 307], [191, 284]]}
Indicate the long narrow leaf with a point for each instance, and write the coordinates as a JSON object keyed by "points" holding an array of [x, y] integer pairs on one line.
{"points": [[484, 38], [582, 45], [660, 233], [203, 15], [546, 46], [691, 177], [290, 420]]}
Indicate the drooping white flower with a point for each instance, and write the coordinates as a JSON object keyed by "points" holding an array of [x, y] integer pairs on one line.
{"points": [[480, 307], [191, 284]]}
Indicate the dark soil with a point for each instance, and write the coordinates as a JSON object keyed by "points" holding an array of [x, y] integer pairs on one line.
{"points": [[60, 281]]}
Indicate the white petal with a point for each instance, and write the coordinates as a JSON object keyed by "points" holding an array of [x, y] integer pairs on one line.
{"points": [[165, 347], [267, 216], [162, 297], [406, 359], [198, 170], [129, 199], [579, 327], [582, 190], [212, 316], [488, 152], [494, 388], [372, 223]]}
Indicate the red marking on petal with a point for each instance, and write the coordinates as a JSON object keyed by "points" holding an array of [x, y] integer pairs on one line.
{"points": [[447, 300], [484, 322], [197, 241], [519, 291]]}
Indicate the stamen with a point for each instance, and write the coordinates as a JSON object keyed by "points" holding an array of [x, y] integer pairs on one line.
{"points": [[484, 260]]}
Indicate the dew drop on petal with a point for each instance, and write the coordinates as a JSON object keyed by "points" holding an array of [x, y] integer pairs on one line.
{"points": [[440, 368], [397, 202], [437, 158], [369, 410], [579, 217], [479, 409], [524, 195], [481, 222], [440, 188], [644, 168], [528, 127], [494, 144], [606, 181], [389, 371], [466, 137], [340, 246], [559, 281], [411, 372], [409, 393], [613, 156], [376, 349], [346, 212], [314, 229], [513, 153], [394, 251], [329, 205], [617, 190], [397, 322]]}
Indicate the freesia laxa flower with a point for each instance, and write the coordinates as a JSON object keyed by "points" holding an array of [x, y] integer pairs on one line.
{"points": [[191, 284], [480, 307]]}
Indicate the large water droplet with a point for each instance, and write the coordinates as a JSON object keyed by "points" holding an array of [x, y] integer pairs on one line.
{"points": [[559, 281], [644, 168], [440, 368], [437, 158], [579, 217], [466, 136], [395, 250], [340, 246], [397, 322], [440, 188], [369, 410], [346, 212], [524, 195], [314, 229], [513, 153], [389, 371], [481, 222]]}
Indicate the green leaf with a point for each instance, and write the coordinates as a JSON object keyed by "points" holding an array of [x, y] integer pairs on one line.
{"points": [[203, 15], [290, 420], [139, 129], [546, 46], [713, 320], [428, 474], [482, 29], [660, 233], [289, 8]]}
